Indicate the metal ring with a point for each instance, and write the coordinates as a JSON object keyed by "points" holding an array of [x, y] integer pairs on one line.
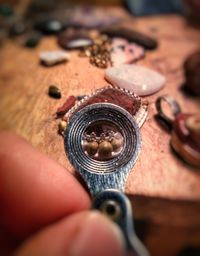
{"points": [[175, 108]]}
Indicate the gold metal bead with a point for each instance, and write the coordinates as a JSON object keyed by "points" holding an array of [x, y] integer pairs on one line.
{"points": [[105, 149], [116, 144], [92, 148], [62, 126]]}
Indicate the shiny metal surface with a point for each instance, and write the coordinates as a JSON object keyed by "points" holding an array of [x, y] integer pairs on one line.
{"points": [[124, 217], [101, 175]]}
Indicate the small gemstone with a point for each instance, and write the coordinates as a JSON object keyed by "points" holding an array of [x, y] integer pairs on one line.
{"points": [[50, 58], [54, 92], [135, 78]]}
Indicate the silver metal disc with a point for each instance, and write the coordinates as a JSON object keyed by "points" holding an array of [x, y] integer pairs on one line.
{"points": [[109, 171]]}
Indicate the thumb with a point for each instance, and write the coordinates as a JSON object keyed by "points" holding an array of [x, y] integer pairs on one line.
{"points": [[82, 234]]}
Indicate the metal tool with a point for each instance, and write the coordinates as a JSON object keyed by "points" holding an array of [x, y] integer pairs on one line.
{"points": [[106, 175]]}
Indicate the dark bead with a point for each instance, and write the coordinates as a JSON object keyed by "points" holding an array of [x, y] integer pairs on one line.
{"points": [[33, 40], [6, 10], [54, 92], [132, 36], [49, 27], [192, 73]]}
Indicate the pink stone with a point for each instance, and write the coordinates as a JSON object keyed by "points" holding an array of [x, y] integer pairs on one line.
{"points": [[124, 52]]}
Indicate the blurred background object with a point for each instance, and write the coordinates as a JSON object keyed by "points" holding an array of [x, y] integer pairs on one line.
{"points": [[151, 7]]}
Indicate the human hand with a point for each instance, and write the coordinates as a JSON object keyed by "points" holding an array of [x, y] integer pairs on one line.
{"points": [[44, 210]]}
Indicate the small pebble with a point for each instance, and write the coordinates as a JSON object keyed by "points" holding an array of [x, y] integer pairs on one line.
{"points": [[54, 92], [50, 58]]}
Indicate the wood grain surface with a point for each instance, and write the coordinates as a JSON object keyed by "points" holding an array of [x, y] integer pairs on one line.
{"points": [[164, 190]]}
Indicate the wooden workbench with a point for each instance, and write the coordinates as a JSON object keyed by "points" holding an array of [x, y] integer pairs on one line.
{"points": [[164, 190]]}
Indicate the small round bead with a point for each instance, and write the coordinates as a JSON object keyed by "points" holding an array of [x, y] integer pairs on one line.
{"points": [[105, 149], [116, 144], [92, 148], [62, 126]]}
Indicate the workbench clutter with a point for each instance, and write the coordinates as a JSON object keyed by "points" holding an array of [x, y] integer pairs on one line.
{"points": [[94, 81]]}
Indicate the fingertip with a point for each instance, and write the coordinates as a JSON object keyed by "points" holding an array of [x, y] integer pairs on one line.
{"points": [[98, 236], [88, 233]]}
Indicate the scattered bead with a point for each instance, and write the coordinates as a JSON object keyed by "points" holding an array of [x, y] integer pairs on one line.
{"points": [[99, 52], [62, 126], [54, 92]]}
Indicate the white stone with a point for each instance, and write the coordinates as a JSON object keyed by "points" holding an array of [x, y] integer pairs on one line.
{"points": [[138, 79], [50, 58]]}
